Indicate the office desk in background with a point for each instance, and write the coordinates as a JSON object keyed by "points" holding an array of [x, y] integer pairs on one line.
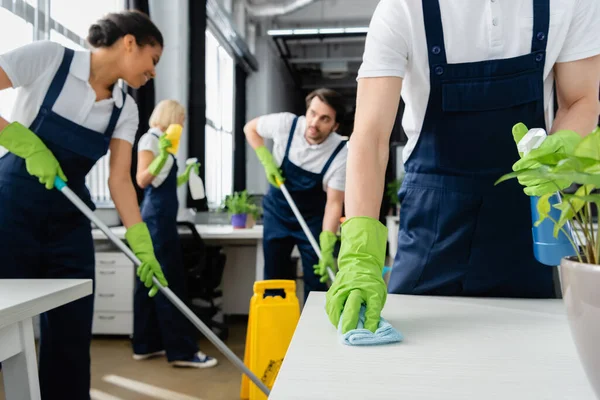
{"points": [[245, 264]]}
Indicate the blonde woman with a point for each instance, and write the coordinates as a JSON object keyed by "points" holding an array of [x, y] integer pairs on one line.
{"points": [[159, 328]]}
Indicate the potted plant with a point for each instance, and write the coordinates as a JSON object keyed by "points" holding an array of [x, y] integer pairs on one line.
{"points": [[239, 205], [579, 274], [392, 190]]}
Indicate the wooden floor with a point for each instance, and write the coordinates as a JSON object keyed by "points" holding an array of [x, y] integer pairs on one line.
{"points": [[116, 376]]}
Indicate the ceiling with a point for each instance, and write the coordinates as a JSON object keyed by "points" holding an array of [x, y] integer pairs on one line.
{"points": [[319, 60]]}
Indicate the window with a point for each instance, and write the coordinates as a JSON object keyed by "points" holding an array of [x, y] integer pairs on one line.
{"points": [[219, 122], [69, 23]]}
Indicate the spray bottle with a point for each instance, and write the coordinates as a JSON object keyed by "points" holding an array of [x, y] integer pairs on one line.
{"points": [[547, 249]]}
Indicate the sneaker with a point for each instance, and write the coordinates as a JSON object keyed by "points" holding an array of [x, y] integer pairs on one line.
{"points": [[200, 360], [139, 357]]}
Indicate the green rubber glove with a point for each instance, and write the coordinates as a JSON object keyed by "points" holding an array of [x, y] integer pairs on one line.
{"points": [[327, 241], [561, 142], [39, 160], [159, 161], [183, 178], [359, 280], [140, 242], [271, 169]]}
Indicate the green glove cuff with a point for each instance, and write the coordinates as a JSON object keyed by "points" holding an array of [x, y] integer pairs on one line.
{"points": [[327, 241], [264, 155], [21, 141], [364, 240], [158, 163], [139, 239]]}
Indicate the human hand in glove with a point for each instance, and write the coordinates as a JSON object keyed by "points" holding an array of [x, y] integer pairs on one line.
{"points": [[183, 178], [140, 242], [39, 160], [561, 143], [327, 241], [159, 161], [271, 169], [359, 280]]}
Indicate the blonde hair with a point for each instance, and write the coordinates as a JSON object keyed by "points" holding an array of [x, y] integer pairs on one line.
{"points": [[165, 113]]}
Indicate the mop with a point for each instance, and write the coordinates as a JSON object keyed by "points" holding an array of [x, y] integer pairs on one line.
{"points": [[214, 339], [305, 228]]}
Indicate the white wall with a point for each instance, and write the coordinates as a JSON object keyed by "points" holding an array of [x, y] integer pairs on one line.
{"points": [[269, 90], [171, 82]]}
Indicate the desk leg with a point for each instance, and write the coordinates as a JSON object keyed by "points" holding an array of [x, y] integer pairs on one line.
{"points": [[260, 261], [20, 371]]}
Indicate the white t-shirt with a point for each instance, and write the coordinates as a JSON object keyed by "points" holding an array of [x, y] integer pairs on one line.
{"points": [[31, 69], [474, 30], [150, 142], [310, 157]]}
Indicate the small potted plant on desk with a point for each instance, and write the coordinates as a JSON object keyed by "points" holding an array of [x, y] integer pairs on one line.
{"points": [[240, 206], [392, 190], [572, 216]]}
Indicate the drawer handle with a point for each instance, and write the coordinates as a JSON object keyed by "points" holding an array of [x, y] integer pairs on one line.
{"points": [[106, 295], [106, 317], [108, 272], [109, 262]]}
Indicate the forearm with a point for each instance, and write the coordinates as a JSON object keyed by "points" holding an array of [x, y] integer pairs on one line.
{"points": [[367, 162], [125, 199], [581, 117], [3, 123], [377, 103], [252, 136], [144, 178], [333, 213]]}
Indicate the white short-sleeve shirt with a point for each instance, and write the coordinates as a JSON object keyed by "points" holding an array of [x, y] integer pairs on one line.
{"points": [[150, 142], [31, 69], [310, 157], [474, 30]]}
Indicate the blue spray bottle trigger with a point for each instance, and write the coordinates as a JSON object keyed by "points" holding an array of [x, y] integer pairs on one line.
{"points": [[547, 249]]}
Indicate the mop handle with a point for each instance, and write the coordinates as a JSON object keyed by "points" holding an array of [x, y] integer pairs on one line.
{"points": [[305, 228], [64, 189]]}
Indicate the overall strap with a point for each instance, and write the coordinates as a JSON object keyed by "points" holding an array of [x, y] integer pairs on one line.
{"points": [[290, 138], [436, 50], [114, 116], [333, 155], [541, 25], [59, 80]]}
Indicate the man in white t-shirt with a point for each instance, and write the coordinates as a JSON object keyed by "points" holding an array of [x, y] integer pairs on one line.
{"points": [[310, 158], [469, 72]]}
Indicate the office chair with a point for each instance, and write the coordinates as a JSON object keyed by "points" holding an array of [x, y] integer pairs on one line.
{"points": [[204, 266]]}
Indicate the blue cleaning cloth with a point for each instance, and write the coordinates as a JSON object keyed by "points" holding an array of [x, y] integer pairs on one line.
{"points": [[360, 336]]}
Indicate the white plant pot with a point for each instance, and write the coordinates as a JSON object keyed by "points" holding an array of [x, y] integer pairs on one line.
{"points": [[581, 293]]}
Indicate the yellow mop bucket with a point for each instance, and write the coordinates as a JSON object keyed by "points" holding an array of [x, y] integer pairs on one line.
{"points": [[271, 325]]}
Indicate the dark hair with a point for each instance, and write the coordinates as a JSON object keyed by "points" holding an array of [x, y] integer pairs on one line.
{"points": [[106, 31], [330, 97]]}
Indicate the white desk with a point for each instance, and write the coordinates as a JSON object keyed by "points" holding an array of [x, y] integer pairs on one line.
{"points": [[245, 261], [20, 301], [453, 348]]}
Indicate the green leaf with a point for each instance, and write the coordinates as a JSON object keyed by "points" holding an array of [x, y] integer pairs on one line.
{"points": [[589, 147], [543, 208], [571, 205]]}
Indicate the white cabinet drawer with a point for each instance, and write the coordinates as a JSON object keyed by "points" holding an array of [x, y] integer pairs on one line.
{"points": [[112, 323], [113, 259], [114, 289]]}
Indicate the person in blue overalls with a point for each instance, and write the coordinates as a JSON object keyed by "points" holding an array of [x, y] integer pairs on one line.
{"points": [[69, 111], [310, 158], [469, 72], [158, 326]]}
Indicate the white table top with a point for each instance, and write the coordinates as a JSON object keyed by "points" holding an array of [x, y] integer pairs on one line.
{"points": [[221, 232], [453, 348], [25, 298]]}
